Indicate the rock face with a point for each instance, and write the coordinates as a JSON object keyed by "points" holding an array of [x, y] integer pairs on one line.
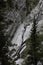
{"points": [[22, 24], [28, 20]]}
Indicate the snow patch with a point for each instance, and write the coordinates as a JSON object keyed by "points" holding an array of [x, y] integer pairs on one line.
{"points": [[19, 61]]}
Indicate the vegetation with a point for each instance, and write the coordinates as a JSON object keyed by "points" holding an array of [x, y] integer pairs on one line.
{"points": [[34, 50], [4, 43]]}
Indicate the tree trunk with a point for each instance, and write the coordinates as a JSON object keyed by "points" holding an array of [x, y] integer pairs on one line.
{"points": [[35, 61]]}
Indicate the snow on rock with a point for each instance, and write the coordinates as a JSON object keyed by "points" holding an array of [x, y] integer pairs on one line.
{"points": [[34, 12], [27, 32], [18, 35], [42, 43], [19, 61], [39, 63], [23, 49], [40, 27]]}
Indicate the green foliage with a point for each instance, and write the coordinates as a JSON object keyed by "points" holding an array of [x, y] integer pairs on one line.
{"points": [[34, 49], [41, 37]]}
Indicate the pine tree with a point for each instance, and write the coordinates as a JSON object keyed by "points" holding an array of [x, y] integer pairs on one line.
{"points": [[33, 54], [34, 44]]}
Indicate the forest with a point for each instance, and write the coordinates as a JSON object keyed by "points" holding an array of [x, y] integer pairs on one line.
{"points": [[21, 32]]}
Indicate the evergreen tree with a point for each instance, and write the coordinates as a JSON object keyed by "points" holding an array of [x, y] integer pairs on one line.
{"points": [[33, 46]]}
